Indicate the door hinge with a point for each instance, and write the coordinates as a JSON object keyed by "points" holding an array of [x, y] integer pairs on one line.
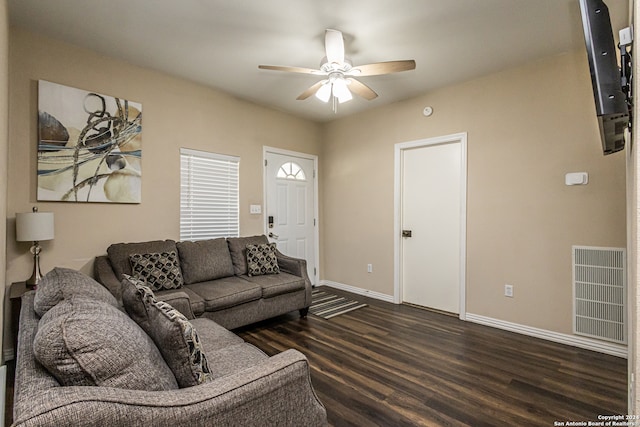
{"points": [[314, 271], [314, 173], [265, 162], [314, 222]]}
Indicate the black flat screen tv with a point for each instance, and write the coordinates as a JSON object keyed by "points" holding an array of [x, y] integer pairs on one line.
{"points": [[611, 102]]}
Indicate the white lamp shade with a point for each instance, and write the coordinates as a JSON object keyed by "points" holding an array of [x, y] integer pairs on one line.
{"points": [[34, 226], [324, 93], [341, 91]]}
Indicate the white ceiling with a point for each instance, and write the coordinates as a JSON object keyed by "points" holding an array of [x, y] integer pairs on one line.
{"points": [[220, 43]]}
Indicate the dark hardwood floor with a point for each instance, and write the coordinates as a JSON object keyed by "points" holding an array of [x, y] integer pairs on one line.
{"points": [[391, 365]]}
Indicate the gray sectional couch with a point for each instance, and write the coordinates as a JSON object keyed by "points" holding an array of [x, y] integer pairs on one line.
{"points": [[90, 357], [215, 280]]}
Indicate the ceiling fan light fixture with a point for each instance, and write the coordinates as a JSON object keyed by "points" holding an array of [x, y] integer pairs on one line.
{"points": [[345, 97], [324, 93], [341, 91]]}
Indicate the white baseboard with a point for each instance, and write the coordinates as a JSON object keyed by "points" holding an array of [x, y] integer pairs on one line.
{"points": [[358, 291], [572, 340]]}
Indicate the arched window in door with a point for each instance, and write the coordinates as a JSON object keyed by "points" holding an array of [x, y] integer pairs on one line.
{"points": [[291, 170]]}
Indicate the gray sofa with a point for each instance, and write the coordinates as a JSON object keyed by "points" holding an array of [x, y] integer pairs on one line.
{"points": [[84, 359], [215, 280]]}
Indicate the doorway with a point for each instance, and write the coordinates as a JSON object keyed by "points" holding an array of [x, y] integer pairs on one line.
{"points": [[291, 205], [430, 223]]}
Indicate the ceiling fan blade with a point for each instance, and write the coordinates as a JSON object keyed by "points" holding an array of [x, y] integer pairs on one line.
{"points": [[379, 68], [300, 70], [361, 89], [312, 90], [334, 46]]}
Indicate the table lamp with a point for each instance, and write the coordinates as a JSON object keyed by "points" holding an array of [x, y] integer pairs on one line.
{"points": [[34, 227]]}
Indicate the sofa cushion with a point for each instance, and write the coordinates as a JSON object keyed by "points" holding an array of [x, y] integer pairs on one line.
{"points": [[174, 335], [119, 253], [226, 292], [238, 249], [213, 336], [235, 358], [63, 283], [226, 352], [261, 259], [83, 342], [205, 260], [159, 270], [277, 284]]}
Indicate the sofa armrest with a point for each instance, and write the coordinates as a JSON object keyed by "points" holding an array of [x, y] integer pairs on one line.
{"points": [[276, 392], [291, 265], [297, 267], [178, 300], [103, 273]]}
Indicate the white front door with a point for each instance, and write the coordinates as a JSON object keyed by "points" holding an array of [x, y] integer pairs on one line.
{"points": [[431, 182], [290, 206]]}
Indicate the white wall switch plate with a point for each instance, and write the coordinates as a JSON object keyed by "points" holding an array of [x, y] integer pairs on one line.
{"points": [[255, 209], [508, 291]]}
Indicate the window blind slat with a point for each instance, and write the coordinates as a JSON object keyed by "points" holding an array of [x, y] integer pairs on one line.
{"points": [[209, 195]]}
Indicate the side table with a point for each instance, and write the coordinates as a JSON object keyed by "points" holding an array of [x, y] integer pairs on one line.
{"points": [[15, 297]]}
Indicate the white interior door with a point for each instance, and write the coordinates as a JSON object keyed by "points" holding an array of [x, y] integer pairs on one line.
{"points": [[290, 206], [431, 190]]}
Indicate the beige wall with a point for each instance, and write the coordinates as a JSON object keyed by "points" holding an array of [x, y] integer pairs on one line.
{"points": [[526, 128], [176, 113], [4, 115]]}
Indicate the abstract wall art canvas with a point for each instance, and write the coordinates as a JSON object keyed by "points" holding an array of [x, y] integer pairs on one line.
{"points": [[89, 146]]}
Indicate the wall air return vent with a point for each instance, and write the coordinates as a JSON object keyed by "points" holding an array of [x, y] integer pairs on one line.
{"points": [[600, 293]]}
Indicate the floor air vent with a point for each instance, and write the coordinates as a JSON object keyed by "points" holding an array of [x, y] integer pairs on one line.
{"points": [[599, 289]]}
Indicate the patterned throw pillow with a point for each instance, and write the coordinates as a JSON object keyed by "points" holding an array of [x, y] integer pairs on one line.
{"points": [[261, 259], [159, 270], [173, 334]]}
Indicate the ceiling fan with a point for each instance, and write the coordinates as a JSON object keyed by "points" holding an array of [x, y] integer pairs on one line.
{"points": [[339, 71]]}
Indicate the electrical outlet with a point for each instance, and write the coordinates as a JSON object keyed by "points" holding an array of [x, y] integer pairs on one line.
{"points": [[369, 268], [508, 291]]}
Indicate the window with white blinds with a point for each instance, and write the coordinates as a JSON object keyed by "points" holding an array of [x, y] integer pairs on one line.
{"points": [[209, 195]]}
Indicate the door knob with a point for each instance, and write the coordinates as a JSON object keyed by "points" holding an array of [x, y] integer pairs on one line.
{"points": [[406, 233], [273, 236]]}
